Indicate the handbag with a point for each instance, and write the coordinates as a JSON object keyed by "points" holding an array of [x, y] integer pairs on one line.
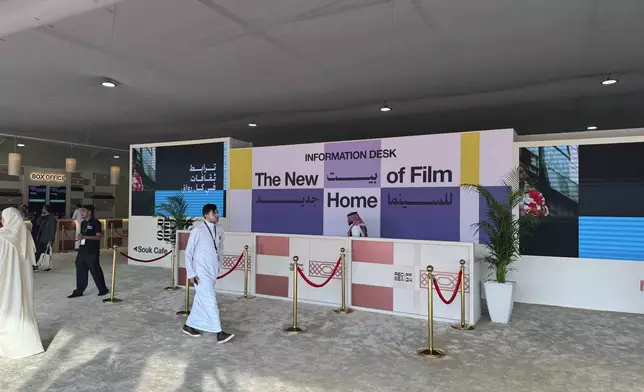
{"points": [[45, 259]]}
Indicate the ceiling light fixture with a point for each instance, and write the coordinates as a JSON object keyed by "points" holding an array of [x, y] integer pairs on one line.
{"points": [[20, 145], [109, 83], [591, 128], [70, 165], [609, 80], [385, 108], [116, 157], [252, 124]]}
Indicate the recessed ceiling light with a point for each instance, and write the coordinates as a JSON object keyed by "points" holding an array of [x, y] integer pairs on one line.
{"points": [[116, 157], [591, 128], [252, 124], [609, 80], [385, 108], [108, 83], [20, 145]]}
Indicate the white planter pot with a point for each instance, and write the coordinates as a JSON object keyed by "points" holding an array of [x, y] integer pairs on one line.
{"points": [[500, 300]]}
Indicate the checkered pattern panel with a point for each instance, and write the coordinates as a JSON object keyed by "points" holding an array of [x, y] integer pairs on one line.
{"points": [[323, 269], [446, 280], [4, 169], [230, 260]]}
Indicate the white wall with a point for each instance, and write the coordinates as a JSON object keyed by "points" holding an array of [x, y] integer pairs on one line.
{"points": [[580, 283]]}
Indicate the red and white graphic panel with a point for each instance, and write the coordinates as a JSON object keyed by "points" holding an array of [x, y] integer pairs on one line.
{"points": [[389, 274], [372, 266], [272, 266]]}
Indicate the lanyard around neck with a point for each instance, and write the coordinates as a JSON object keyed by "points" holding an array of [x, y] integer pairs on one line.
{"points": [[83, 232], [212, 236]]}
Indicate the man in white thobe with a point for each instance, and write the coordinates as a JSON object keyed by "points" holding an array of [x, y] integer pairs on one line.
{"points": [[204, 256], [78, 219]]}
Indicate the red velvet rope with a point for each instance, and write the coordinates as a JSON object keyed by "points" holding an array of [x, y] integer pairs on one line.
{"points": [[440, 294], [120, 234], [335, 269], [241, 256], [67, 235], [144, 261]]}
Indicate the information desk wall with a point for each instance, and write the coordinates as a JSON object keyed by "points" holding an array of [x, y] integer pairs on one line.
{"points": [[383, 275]]}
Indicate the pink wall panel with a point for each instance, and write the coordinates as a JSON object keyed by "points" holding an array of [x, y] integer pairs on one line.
{"points": [[372, 297], [183, 240], [373, 252], [272, 246], [271, 285]]}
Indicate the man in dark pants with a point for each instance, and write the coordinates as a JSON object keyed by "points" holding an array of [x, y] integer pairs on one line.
{"points": [[47, 226], [88, 255]]}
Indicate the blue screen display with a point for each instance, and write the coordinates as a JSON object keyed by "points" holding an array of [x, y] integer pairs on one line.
{"points": [[196, 200]]}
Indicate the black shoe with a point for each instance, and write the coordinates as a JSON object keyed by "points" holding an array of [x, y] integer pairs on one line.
{"points": [[35, 268], [223, 337], [75, 294], [102, 293], [47, 269], [191, 331]]}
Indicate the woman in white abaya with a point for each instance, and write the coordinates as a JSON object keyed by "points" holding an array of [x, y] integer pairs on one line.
{"points": [[19, 336]]}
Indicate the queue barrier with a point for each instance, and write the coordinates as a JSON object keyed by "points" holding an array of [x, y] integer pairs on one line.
{"points": [[429, 352], [462, 325], [310, 251], [246, 270], [295, 328], [115, 248], [110, 238]]}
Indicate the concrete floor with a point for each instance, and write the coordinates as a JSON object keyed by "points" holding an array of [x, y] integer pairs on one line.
{"points": [[137, 346]]}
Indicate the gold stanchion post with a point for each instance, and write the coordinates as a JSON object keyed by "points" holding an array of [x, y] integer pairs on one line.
{"points": [[186, 312], [62, 239], [246, 267], [295, 328], [343, 309], [172, 286], [463, 325], [112, 299], [110, 241], [430, 352]]}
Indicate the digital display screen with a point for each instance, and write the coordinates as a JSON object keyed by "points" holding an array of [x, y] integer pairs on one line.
{"points": [[37, 199], [37, 193], [57, 194], [594, 195], [198, 171], [57, 200]]}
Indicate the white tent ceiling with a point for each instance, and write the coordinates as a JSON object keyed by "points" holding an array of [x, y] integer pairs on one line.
{"points": [[307, 70]]}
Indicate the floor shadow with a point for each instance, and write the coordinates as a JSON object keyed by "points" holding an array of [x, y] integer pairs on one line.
{"points": [[85, 376], [48, 367], [197, 372], [50, 335]]}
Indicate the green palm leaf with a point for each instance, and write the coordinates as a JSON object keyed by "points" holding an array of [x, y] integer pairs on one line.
{"points": [[502, 225], [175, 209]]}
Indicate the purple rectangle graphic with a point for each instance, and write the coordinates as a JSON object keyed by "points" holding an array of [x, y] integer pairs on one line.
{"points": [[352, 164], [420, 213], [288, 211]]}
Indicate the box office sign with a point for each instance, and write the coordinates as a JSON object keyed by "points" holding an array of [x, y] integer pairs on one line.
{"points": [[48, 177]]}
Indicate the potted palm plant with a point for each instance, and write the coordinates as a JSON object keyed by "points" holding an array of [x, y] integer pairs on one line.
{"points": [[504, 226], [175, 210]]}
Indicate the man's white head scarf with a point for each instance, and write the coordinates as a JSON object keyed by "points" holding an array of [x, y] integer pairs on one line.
{"points": [[15, 232]]}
